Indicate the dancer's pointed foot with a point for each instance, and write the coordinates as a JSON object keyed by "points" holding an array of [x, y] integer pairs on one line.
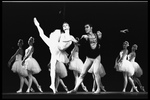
{"points": [[85, 89], [131, 90], [66, 88], [93, 90], [53, 88], [28, 90], [32, 90], [142, 88], [97, 91], [103, 88], [72, 91], [19, 91], [124, 90], [40, 89], [136, 89]]}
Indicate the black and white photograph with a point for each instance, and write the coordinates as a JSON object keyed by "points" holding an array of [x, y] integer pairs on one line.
{"points": [[75, 49]]}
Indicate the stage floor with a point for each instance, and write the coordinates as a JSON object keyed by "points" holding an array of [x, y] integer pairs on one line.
{"points": [[88, 95]]}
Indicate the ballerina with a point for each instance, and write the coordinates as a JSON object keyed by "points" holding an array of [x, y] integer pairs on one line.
{"points": [[58, 42], [31, 65], [76, 64], [138, 70]]}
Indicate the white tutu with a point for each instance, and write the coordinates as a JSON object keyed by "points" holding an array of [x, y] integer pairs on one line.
{"points": [[62, 57], [61, 70], [126, 66], [97, 67], [76, 64], [17, 67], [32, 65], [137, 68]]}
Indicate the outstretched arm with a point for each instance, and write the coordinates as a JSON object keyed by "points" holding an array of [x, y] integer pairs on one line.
{"points": [[41, 32]]}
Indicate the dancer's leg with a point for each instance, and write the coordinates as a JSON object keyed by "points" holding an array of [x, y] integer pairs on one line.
{"points": [[94, 86], [63, 84], [133, 85], [53, 73], [57, 82], [97, 79], [75, 76], [27, 83], [37, 84], [86, 66], [30, 81], [21, 84], [125, 81]]}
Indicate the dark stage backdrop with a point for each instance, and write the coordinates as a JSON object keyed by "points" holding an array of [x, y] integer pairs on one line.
{"points": [[108, 17]]}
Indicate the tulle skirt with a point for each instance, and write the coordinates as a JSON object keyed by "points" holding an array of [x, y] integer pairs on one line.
{"points": [[17, 67], [97, 68], [76, 64], [137, 68], [61, 70], [61, 56], [126, 66], [32, 65]]}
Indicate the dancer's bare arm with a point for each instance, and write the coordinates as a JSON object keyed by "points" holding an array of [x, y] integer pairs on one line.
{"points": [[41, 32]]}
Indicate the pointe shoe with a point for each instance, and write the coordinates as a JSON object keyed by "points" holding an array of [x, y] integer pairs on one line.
{"points": [[54, 90], [97, 91], [19, 91], [131, 90], [136, 89], [93, 90], [66, 89], [85, 89], [72, 91], [142, 88], [124, 90], [28, 90], [32, 90], [103, 88], [39, 87]]}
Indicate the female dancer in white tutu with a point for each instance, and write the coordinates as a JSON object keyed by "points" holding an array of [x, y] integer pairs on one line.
{"points": [[58, 42], [125, 66], [17, 66], [31, 65], [76, 64], [138, 70], [99, 67], [92, 56]]}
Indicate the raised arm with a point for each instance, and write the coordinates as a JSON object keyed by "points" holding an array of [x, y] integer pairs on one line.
{"points": [[41, 32]]}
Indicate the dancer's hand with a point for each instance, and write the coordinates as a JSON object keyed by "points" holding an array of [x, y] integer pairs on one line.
{"points": [[36, 22]]}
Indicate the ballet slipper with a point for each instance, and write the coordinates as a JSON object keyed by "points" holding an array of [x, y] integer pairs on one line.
{"points": [[32, 90], [54, 90], [19, 91], [136, 89], [142, 88], [72, 91], [97, 91], [28, 90], [131, 90], [39, 87], [103, 88], [93, 90], [85, 89], [124, 90], [66, 89]]}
